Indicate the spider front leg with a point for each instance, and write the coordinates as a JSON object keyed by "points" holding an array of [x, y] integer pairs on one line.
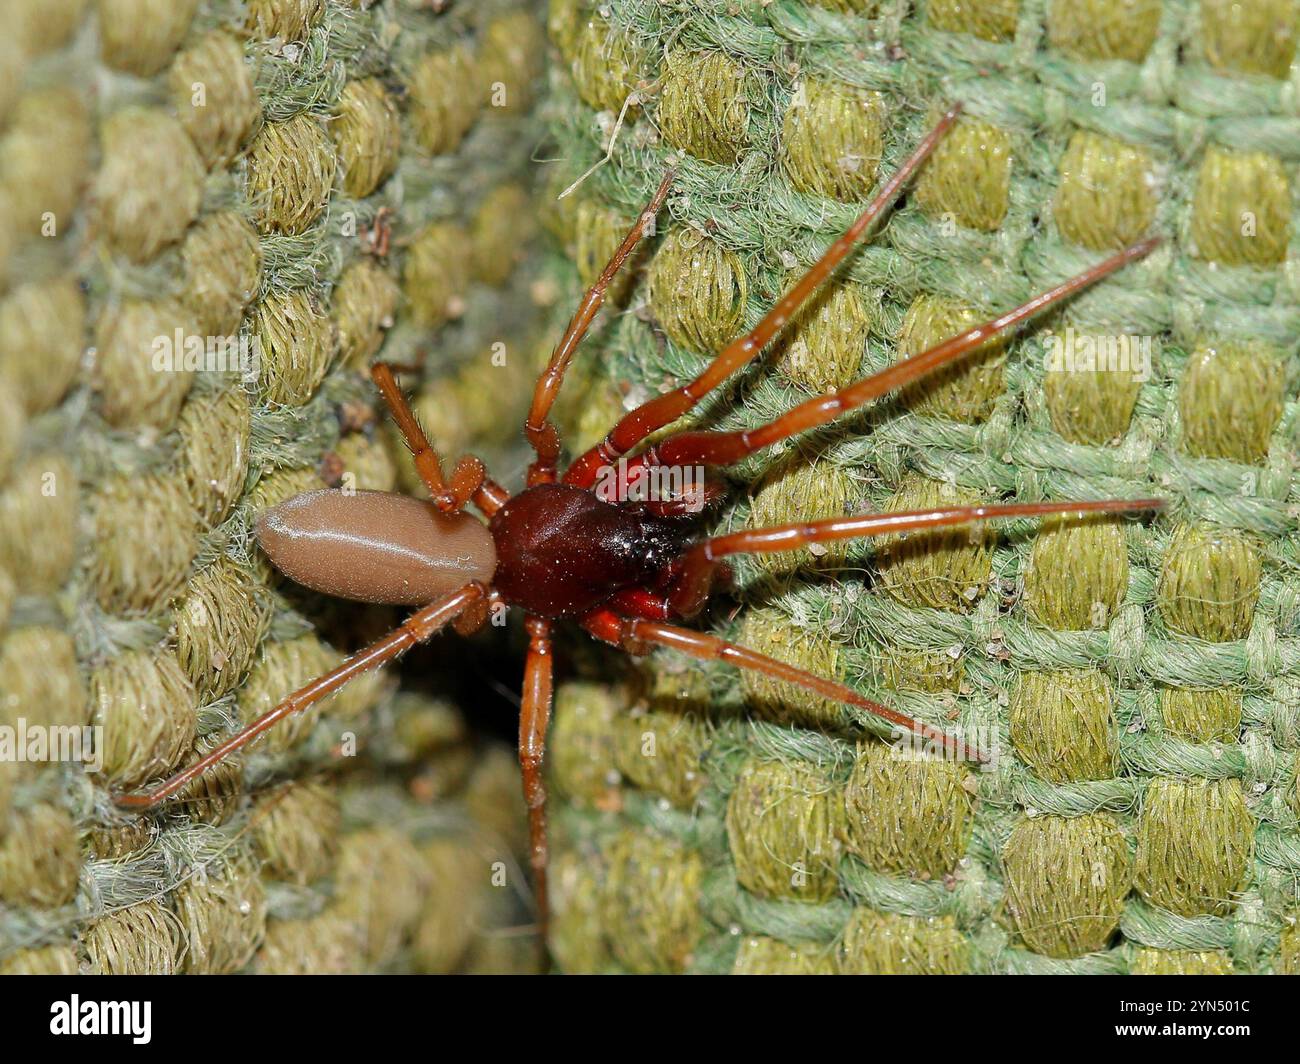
{"points": [[417, 628], [541, 434], [534, 718], [636, 635], [691, 591], [469, 480], [727, 448], [651, 416]]}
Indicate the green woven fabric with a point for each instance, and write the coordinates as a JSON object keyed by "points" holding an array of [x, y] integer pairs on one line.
{"points": [[1138, 678], [326, 180]]}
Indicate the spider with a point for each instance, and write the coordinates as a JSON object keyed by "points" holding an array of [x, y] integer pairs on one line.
{"points": [[561, 550]]}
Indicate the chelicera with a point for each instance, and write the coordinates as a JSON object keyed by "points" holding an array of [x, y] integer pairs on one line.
{"points": [[562, 550]]}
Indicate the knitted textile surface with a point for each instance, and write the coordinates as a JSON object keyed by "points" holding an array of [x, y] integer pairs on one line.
{"points": [[1139, 680], [298, 186]]}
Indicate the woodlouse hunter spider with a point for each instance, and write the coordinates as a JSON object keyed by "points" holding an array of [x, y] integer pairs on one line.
{"points": [[560, 550]]}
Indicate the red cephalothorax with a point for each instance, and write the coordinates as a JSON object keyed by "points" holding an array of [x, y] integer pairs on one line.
{"points": [[620, 569], [561, 552]]}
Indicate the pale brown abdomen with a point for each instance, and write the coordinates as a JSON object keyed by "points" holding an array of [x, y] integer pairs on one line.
{"points": [[375, 546]]}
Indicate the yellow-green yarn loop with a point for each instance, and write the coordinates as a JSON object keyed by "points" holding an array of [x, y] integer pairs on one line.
{"points": [[367, 135], [46, 160], [222, 263], [968, 178], [822, 346], [965, 392], [1077, 573], [1231, 400], [770, 631], [364, 307], [604, 65], [222, 918], [40, 680], [145, 536], [142, 939], [906, 813], [1255, 38], [581, 754], [282, 667], [784, 825], [650, 901], [832, 137], [212, 92], [1104, 29], [946, 570], [1181, 962], [800, 491], [1209, 583], [760, 955], [1062, 724], [39, 510], [297, 341], [440, 113], [149, 712], [891, 944], [993, 20], [140, 36], [1106, 198], [39, 858], [659, 744], [1201, 715], [215, 434], [136, 386], [1067, 878], [436, 274], [697, 290], [1241, 214], [577, 939], [291, 170], [1195, 839], [286, 19], [702, 108], [41, 333], [142, 210], [296, 832], [220, 621], [1091, 385]]}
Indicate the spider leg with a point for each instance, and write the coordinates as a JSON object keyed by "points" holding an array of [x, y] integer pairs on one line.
{"points": [[417, 628], [534, 717], [634, 635], [469, 480], [667, 408], [701, 561], [541, 434], [641, 602], [490, 497], [726, 448]]}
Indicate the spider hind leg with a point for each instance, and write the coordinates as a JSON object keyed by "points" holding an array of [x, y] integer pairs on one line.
{"points": [[636, 636]]}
